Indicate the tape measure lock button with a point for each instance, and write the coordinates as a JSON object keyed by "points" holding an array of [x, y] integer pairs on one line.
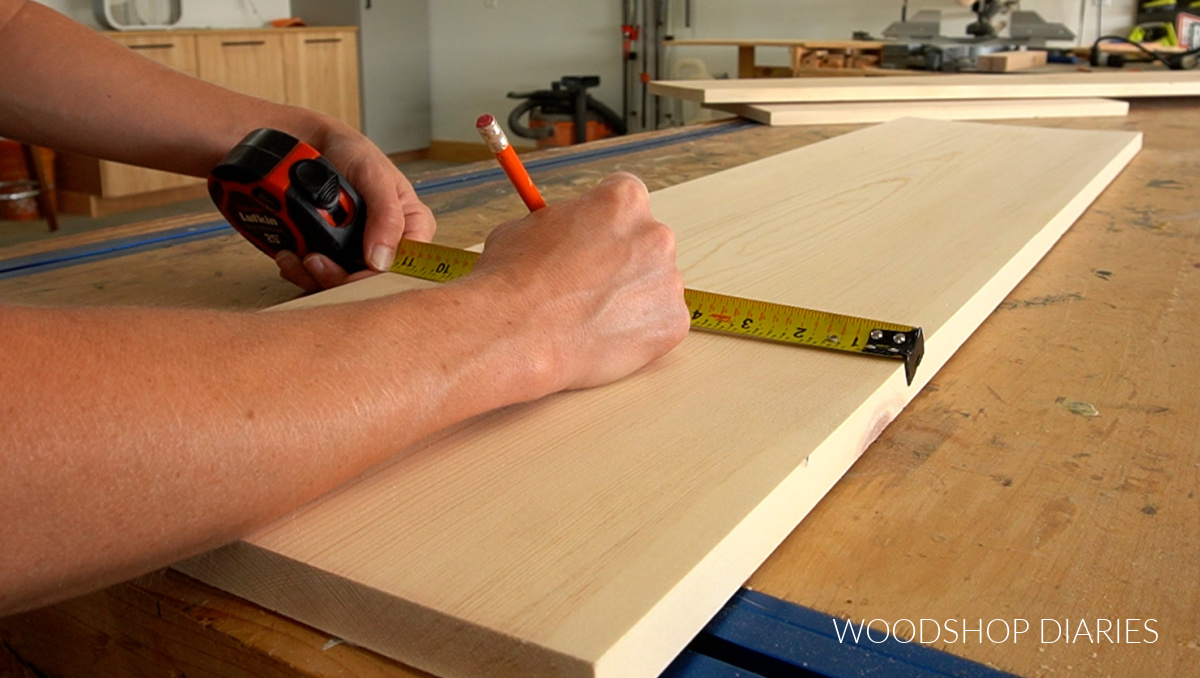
{"points": [[317, 183]]}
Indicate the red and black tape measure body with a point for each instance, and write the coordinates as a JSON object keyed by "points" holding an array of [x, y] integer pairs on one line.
{"points": [[280, 194]]}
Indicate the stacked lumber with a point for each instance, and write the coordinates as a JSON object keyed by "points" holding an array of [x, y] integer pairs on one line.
{"points": [[1038, 94], [593, 533], [850, 112], [832, 58]]}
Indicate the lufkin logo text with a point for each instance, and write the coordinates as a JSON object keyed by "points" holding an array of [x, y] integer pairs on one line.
{"points": [[253, 218], [997, 631]]}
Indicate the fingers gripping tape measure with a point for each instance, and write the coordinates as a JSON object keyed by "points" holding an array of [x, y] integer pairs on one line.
{"points": [[723, 313], [281, 194]]}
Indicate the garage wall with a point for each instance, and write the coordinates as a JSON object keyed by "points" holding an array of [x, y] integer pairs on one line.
{"points": [[196, 13], [481, 49]]}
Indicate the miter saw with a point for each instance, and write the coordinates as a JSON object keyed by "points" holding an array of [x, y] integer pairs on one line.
{"points": [[984, 12], [918, 43]]}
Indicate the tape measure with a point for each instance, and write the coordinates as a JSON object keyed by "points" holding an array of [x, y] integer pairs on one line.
{"points": [[722, 312], [281, 194]]}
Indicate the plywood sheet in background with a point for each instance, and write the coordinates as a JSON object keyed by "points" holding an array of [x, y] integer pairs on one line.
{"points": [[847, 113], [923, 87], [594, 533]]}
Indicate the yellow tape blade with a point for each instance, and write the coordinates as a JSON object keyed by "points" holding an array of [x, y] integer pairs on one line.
{"points": [[721, 312]]}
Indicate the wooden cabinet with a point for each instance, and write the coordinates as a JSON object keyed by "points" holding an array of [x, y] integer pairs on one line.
{"points": [[315, 78], [168, 49], [251, 64], [118, 180], [314, 68], [393, 48]]}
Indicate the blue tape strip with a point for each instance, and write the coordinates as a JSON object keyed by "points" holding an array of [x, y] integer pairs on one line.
{"points": [[37, 263], [49, 261], [777, 638]]}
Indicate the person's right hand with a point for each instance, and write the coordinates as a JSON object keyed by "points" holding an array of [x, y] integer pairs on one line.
{"points": [[595, 276]]}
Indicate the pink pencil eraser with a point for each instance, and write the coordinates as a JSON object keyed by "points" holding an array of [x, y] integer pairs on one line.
{"points": [[485, 120]]}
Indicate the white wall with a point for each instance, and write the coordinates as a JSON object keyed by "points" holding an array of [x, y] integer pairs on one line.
{"points": [[482, 49], [196, 13], [838, 19], [481, 52]]}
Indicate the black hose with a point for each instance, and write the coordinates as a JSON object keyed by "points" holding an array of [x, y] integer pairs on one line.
{"points": [[608, 115], [514, 122]]}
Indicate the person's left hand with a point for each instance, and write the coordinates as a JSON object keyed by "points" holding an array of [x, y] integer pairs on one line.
{"points": [[393, 211]]}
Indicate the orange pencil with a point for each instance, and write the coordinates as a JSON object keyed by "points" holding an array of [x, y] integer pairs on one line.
{"points": [[490, 130]]}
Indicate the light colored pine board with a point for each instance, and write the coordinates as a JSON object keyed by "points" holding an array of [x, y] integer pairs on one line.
{"points": [[1003, 62], [845, 113], [594, 533], [956, 86]]}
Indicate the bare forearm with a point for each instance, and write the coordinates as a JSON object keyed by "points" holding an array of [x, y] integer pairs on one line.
{"points": [[137, 437], [68, 87], [132, 438]]}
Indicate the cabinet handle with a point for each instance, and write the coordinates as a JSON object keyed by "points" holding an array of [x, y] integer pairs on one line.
{"points": [[242, 43], [310, 41], [155, 45]]}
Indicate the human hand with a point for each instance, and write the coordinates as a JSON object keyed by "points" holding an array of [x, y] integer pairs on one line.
{"points": [[595, 277], [393, 210]]}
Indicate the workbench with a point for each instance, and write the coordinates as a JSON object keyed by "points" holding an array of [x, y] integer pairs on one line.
{"points": [[1048, 472]]}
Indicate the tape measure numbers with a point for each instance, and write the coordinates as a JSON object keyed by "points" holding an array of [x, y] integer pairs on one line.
{"points": [[723, 313]]}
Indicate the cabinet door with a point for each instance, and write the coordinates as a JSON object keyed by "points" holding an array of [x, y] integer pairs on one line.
{"points": [[250, 63], [321, 72], [393, 39], [174, 51]]}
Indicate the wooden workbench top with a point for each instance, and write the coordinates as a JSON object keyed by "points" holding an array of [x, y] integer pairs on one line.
{"points": [[1047, 472]]}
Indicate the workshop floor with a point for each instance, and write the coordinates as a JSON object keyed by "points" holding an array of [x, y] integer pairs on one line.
{"points": [[18, 232]]}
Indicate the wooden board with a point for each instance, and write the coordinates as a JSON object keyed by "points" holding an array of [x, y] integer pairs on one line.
{"points": [[1003, 62], [838, 113], [957, 86], [593, 533]]}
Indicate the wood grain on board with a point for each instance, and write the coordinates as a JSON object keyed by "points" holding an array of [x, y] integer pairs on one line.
{"points": [[843, 113], [593, 533], [954, 86], [1003, 62]]}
